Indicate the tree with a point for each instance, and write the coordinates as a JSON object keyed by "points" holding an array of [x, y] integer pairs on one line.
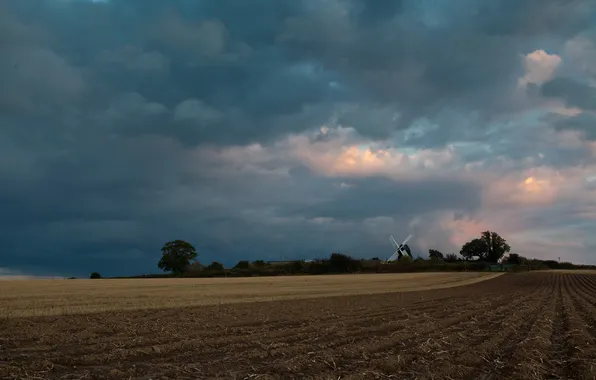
{"points": [[497, 246], [475, 247], [215, 266], [343, 263], [95, 275], [515, 258], [451, 257], [434, 254], [490, 246], [177, 255]]}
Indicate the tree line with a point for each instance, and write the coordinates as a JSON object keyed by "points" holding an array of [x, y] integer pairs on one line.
{"points": [[179, 258]]}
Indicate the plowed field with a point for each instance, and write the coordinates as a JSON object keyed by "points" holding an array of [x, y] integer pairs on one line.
{"points": [[516, 326]]}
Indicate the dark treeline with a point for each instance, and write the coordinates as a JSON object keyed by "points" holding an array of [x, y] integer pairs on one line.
{"points": [[489, 252], [339, 263]]}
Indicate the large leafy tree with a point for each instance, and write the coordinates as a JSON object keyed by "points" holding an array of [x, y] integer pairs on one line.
{"points": [[176, 256], [497, 246], [490, 246], [475, 247]]}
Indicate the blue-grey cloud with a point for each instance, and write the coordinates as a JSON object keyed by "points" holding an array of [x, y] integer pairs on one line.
{"points": [[126, 123], [573, 92], [584, 123]]}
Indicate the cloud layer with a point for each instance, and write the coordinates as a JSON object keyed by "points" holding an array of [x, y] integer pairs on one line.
{"points": [[269, 129]]}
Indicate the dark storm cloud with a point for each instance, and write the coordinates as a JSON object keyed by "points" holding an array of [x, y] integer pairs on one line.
{"points": [[98, 219], [422, 59], [261, 63], [101, 103], [370, 197]]}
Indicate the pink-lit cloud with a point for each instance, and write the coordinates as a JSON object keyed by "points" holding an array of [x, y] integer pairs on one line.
{"points": [[514, 196], [540, 67], [338, 157]]}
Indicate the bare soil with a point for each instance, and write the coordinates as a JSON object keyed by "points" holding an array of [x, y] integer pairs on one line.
{"points": [[516, 326]]}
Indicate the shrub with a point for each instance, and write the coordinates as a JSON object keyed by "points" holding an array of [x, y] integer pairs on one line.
{"points": [[406, 259], [193, 269], [215, 266], [244, 264], [259, 263]]}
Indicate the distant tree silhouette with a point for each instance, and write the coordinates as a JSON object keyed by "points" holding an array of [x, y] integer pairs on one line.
{"points": [[490, 246], [244, 264], [338, 262], [434, 254], [497, 246], [95, 275], [177, 255], [475, 247]]}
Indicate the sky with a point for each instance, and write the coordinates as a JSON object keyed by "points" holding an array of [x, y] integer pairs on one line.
{"points": [[272, 129]]}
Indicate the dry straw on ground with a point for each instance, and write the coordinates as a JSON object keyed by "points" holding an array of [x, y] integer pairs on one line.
{"points": [[57, 297]]}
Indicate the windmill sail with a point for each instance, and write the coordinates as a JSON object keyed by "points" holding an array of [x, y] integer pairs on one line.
{"points": [[400, 249]]}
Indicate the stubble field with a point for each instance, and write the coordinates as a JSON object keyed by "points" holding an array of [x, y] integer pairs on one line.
{"points": [[59, 297], [515, 326]]}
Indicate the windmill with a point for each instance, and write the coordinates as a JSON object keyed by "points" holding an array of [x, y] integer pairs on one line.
{"points": [[400, 249]]}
